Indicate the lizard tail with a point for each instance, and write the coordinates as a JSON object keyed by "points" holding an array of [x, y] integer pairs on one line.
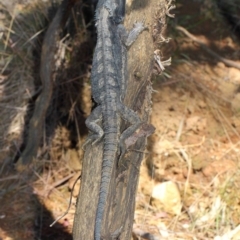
{"points": [[109, 153]]}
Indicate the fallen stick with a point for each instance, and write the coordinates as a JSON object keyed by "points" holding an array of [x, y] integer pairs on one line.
{"points": [[226, 61]]}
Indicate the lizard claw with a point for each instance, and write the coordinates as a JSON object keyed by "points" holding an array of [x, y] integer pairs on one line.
{"points": [[84, 144], [122, 149], [91, 139], [140, 25]]}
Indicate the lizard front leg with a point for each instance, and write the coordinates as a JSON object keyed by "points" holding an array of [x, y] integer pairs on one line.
{"points": [[128, 38], [125, 40]]}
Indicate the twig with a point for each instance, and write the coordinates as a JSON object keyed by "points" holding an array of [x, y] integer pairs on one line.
{"points": [[226, 61], [55, 185], [69, 205]]}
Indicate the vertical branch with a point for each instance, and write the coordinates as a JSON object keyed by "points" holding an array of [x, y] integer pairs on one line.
{"points": [[119, 212]]}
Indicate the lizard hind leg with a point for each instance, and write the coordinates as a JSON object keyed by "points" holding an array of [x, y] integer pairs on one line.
{"points": [[130, 116], [92, 124]]}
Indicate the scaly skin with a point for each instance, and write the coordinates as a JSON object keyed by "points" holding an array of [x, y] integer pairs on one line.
{"points": [[105, 91], [108, 80]]}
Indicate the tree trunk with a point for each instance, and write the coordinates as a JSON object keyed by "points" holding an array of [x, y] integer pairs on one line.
{"points": [[119, 211]]}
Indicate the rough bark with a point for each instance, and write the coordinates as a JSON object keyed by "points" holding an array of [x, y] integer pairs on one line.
{"points": [[119, 211]]}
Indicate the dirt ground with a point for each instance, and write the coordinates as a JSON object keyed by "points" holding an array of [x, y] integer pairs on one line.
{"points": [[189, 184]]}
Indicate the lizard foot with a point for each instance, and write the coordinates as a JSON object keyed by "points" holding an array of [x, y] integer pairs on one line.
{"points": [[122, 149]]}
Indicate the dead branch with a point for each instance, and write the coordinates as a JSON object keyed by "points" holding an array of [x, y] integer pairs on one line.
{"points": [[226, 61], [119, 211]]}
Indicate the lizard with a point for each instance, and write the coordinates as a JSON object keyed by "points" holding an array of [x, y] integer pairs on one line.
{"points": [[108, 82]]}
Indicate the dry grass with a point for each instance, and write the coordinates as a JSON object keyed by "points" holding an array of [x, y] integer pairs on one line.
{"points": [[32, 201], [19, 40]]}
